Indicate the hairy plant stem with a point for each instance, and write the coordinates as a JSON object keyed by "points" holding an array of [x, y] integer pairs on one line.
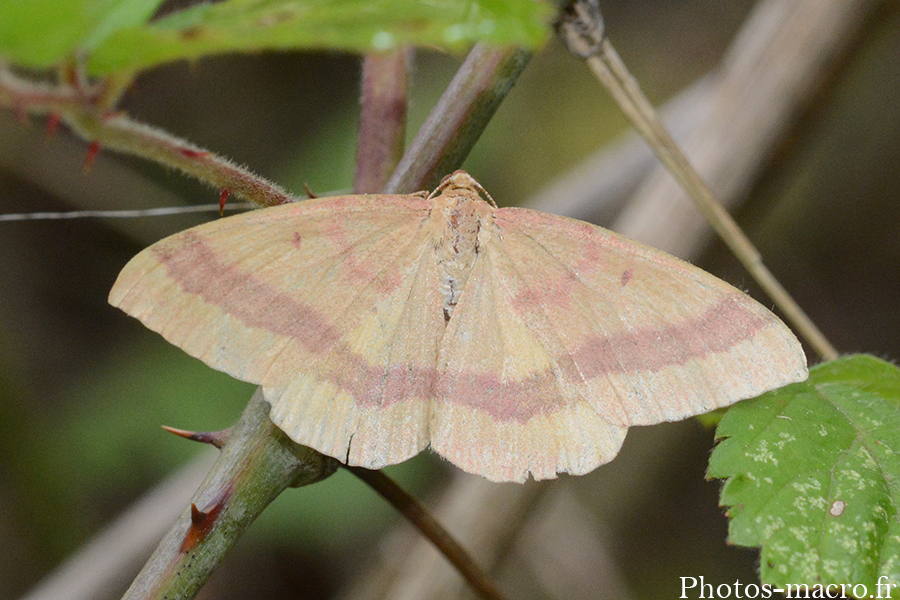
{"points": [[85, 110]]}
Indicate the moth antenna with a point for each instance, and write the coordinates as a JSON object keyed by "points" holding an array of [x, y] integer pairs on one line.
{"points": [[484, 192], [469, 181], [444, 183]]}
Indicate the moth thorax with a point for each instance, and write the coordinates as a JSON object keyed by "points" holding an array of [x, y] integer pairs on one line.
{"points": [[457, 248]]}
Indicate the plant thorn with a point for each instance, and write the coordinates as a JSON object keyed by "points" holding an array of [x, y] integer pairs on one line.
{"points": [[201, 524], [190, 153], [223, 197], [216, 438]]}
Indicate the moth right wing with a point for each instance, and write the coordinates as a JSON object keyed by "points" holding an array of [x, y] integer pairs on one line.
{"points": [[503, 407]]}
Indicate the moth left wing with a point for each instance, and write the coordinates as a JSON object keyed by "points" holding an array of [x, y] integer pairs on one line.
{"points": [[327, 303]]}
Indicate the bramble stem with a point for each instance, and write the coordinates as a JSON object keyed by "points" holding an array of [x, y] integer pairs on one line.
{"points": [[257, 463], [86, 112]]}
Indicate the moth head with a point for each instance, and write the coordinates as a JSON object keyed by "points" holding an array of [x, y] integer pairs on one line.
{"points": [[461, 183]]}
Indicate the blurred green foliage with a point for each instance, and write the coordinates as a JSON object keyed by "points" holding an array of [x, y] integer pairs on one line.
{"points": [[44, 33], [116, 36]]}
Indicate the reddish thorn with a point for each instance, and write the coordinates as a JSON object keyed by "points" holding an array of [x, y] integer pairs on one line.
{"points": [[308, 191], [223, 196], [216, 438], [52, 124], [201, 524], [193, 153], [92, 151]]}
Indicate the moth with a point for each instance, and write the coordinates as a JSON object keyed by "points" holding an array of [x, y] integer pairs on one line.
{"points": [[511, 341]]}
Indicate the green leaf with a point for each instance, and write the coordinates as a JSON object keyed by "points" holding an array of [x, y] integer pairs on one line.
{"points": [[354, 25], [44, 33], [814, 476]]}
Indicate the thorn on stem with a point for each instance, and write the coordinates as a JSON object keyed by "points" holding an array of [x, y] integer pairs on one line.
{"points": [[216, 438], [190, 153], [308, 191], [223, 197], [92, 151], [201, 524]]}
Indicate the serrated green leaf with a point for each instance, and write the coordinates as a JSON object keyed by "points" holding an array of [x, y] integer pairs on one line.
{"points": [[814, 476], [44, 33], [354, 25]]}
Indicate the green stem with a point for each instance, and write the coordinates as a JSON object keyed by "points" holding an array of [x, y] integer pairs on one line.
{"points": [[456, 122], [459, 117], [84, 111], [257, 463]]}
